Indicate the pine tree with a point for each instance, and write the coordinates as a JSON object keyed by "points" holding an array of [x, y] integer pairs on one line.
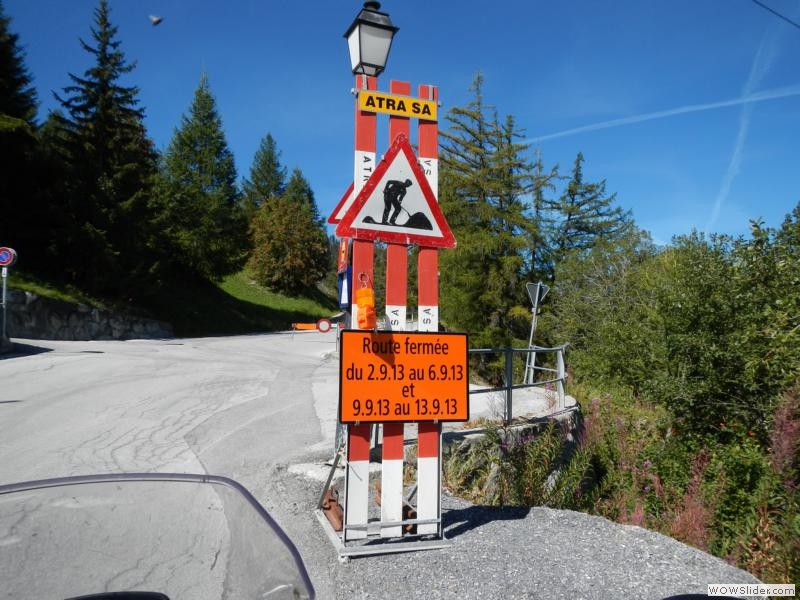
{"points": [[582, 215], [200, 212], [111, 163], [291, 251], [267, 177]]}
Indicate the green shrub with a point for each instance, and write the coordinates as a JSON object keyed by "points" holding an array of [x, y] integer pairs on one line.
{"points": [[520, 467], [725, 493]]}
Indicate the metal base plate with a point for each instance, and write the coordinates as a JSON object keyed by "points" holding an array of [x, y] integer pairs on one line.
{"points": [[371, 547]]}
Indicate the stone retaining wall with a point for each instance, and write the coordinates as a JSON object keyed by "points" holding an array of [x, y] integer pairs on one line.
{"points": [[34, 317]]}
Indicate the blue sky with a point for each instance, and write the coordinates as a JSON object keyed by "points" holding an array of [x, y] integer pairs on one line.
{"points": [[689, 109]]}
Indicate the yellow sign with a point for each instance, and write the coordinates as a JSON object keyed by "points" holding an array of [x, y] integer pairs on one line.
{"points": [[401, 106], [396, 376]]}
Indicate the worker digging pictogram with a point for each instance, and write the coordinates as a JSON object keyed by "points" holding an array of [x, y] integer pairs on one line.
{"points": [[393, 194]]}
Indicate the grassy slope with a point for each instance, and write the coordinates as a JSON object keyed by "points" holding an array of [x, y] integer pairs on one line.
{"points": [[19, 280], [236, 305]]}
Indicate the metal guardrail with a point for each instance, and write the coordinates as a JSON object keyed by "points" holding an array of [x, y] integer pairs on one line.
{"points": [[559, 375]]}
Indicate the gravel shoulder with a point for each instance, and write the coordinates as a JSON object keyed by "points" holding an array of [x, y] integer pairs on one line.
{"points": [[504, 553], [501, 553]]}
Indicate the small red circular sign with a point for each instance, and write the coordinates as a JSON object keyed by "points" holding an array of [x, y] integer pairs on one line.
{"points": [[7, 256]]}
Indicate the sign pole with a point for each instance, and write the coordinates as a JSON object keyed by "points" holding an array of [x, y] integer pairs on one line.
{"points": [[396, 293], [356, 502], [5, 276], [536, 292], [8, 256], [429, 434], [397, 254]]}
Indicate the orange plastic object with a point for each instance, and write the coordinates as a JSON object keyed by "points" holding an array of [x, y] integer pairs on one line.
{"points": [[365, 300]]}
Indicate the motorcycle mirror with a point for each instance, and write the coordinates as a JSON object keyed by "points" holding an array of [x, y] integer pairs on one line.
{"points": [[122, 596]]}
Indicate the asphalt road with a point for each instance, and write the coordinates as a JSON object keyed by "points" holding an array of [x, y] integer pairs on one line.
{"points": [[252, 408]]}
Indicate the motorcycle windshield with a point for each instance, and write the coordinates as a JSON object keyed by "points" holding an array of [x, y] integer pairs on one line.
{"points": [[185, 536]]}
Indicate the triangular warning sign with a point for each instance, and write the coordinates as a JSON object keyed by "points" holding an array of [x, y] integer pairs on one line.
{"points": [[397, 204], [344, 204]]}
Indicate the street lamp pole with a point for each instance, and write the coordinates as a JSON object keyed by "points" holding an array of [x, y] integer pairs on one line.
{"points": [[369, 39]]}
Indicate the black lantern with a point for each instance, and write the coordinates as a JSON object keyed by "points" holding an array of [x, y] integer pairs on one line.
{"points": [[369, 39]]}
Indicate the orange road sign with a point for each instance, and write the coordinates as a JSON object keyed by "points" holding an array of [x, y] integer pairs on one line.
{"points": [[403, 376]]}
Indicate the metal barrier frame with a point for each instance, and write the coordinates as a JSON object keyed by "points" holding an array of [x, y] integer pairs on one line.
{"points": [[559, 379], [373, 544]]}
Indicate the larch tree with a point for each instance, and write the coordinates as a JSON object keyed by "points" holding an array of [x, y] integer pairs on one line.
{"points": [[582, 215], [484, 181], [540, 266]]}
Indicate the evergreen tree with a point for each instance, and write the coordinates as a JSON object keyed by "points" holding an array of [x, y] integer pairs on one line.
{"points": [[48, 223], [483, 185], [540, 265], [299, 191], [200, 213], [111, 163], [17, 145], [17, 95], [267, 177], [582, 215], [291, 250]]}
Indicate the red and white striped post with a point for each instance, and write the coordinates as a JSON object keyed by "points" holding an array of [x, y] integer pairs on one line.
{"points": [[356, 502], [397, 254], [429, 434], [396, 294], [357, 493]]}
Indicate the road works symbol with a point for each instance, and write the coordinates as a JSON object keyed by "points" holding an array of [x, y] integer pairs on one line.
{"points": [[393, 376], [397, 204]]}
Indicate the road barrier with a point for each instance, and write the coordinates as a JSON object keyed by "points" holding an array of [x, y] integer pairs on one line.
{"points": [[355, 439], [555, 376]]}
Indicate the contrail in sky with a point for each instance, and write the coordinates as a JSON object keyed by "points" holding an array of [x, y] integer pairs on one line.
{"points": [[761, 65], [774, 94]]}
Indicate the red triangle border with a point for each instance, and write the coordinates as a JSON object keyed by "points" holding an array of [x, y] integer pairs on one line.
{"points": [[345, 228]]}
